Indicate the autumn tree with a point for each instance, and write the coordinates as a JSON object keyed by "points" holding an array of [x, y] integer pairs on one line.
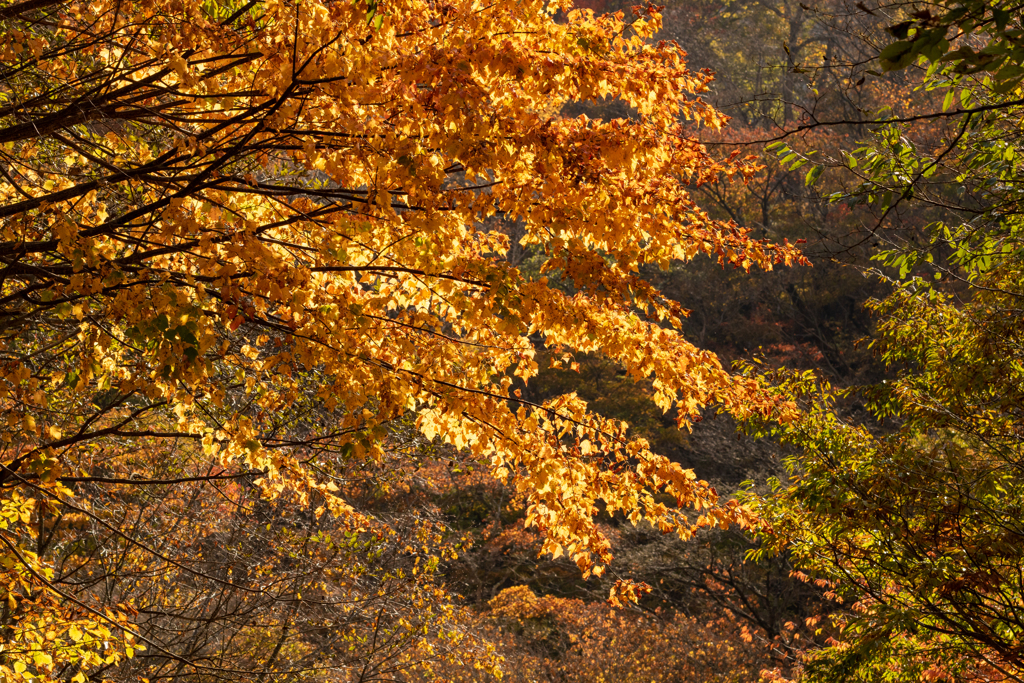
{"points": [[242, 239]]}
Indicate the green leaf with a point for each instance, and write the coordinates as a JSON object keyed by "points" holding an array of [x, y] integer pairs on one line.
{"points": [[897, 55], [1007, 86], [813, 175]]}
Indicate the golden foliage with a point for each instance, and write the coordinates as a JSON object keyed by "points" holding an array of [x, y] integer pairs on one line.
{"points": [[247, 237]]}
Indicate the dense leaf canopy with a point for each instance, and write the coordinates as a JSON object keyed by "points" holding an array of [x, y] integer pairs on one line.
{"points": [[241, 240]]}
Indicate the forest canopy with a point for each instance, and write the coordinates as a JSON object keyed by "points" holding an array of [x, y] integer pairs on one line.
{"points": [[252, 249], [351, 340]]}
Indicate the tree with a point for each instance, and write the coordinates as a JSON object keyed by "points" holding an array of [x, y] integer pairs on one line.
{"points": [[914, 522], [243, 240]]}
